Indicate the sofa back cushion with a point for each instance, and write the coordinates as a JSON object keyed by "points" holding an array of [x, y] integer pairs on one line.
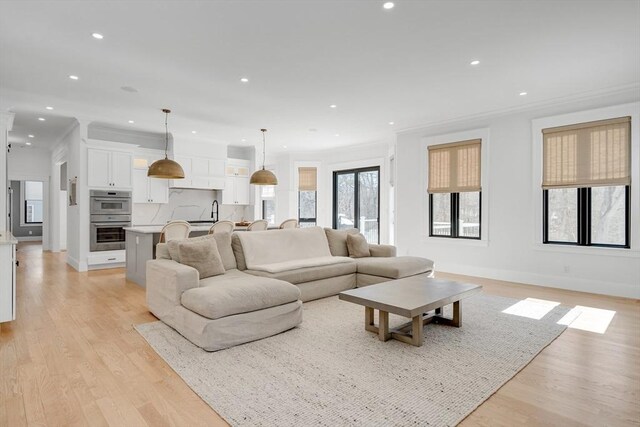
{"points": [[236, 245], [276, 246], [338, 240], [222, 240]]}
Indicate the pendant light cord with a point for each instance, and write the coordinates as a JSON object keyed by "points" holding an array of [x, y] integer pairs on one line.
{"points": [[166, 134], [264, 156]]}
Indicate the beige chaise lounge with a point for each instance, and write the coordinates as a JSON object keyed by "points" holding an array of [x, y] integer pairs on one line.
{"points": [[268, 275]]}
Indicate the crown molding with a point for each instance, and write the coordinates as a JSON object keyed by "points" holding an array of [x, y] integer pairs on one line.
{"points": [[564, 100]]}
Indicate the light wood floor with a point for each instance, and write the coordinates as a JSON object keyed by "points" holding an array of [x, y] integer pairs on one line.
{"points": [[73, 358]]}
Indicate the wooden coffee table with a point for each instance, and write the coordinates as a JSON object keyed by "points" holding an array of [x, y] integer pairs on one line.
{"points": [[418, 298]]}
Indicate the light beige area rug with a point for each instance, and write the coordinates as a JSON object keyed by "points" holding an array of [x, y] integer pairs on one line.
{"points": [[330, 372]]}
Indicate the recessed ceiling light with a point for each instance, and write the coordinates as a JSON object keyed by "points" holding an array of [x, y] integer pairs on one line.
{"points": [[97, 36], [193, 131], [72, 77], [284, 146], [42, 119], [131, 122], [31, 136], [243, 140], [392, 123], [49, 108], [337, 134], [333, 106], [388, 5], [475, 62], [27, 143], [523, 93], [244, 80]]}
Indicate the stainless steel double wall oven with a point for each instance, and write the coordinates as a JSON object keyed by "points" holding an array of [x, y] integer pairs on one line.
{"points": [[110, 213]]}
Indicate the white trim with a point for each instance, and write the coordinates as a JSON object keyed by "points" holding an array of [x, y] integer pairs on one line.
{"points": [[626, 290], [631, 109], [484, 135], [28, 238]]}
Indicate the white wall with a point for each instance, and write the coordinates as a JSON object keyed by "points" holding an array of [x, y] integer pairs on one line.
{"points": [[327, 161], [510, 252]]}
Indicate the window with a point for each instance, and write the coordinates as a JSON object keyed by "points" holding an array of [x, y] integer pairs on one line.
{"points": [[586, 183], [356, 196], [307, 196], [268, 197], [32, 196], [455, 196]]}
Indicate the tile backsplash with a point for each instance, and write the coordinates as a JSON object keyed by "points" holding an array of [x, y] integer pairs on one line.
{"points": [[189, 205]]}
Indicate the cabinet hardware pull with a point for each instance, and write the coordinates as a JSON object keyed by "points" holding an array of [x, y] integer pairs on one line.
{"points": [[111, 259]]}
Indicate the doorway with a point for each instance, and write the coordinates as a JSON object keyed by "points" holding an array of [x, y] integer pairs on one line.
{"points": [[356, 201], [26, 209]]}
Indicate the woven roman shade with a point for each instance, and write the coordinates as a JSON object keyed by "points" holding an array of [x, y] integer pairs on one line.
{"points": [[590, 154], [455, 167], [307, 179]]}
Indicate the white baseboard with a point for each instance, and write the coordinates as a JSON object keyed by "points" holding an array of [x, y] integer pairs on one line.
{"points": [[77, 265], [626, 290], [29, 239]]}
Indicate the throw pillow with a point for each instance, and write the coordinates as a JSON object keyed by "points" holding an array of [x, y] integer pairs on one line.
{"points": [[358, 246], [203, 255]]}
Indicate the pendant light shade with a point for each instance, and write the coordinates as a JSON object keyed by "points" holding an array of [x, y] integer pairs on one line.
{"points": [[263, 176], [166, 168]]}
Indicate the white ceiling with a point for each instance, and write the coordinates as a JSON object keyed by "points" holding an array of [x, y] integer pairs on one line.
{"points": [[409, 65]]}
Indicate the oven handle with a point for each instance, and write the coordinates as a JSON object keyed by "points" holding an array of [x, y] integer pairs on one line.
{"points": [[103, 224], [117, 199]]}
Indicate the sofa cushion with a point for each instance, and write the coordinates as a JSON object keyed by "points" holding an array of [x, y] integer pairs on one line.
{"points": [[223, 241], [338, 240], [202, 255], [394, 267], [358, 246], [275, 246], [237, 293], [309, 274], [296, 264], [236, 245]]}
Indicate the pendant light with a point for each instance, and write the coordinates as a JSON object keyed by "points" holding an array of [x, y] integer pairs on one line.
{"points": [[263, 176], [165, 168]]}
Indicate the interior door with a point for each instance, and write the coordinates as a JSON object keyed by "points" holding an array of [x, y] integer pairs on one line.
{"points": [[356, 201]]}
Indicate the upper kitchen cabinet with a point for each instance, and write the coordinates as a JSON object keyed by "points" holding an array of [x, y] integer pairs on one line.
{"points": [[236, 190], [145, 189], [109, 168], [203, 165]]}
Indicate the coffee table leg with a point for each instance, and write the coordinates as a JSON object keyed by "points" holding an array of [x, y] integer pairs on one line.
{"points": [[457, 315], [383, 326], [368, 320], [417, 335]]}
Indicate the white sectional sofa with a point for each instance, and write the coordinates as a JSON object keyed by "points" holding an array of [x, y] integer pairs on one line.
{"points": [[267, 276]]}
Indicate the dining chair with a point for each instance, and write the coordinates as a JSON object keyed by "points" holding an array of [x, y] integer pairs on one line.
{"points": [[175, 230], [258, 225], [222, 227], [289, 223]]}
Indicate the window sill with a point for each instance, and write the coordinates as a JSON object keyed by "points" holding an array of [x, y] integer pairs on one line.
{"points": [[587, 250], [456, 241]]}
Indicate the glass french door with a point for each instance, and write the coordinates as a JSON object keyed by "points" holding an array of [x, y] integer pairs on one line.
{"points": [[356, 201]]}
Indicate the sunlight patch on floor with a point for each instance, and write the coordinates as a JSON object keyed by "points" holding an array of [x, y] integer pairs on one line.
{"points": [[532, 308], [588, 319]]}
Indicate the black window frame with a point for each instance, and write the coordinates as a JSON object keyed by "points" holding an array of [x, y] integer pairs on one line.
{"points": [[356, 195], [583, 209], [313, 220], [455, 216]]}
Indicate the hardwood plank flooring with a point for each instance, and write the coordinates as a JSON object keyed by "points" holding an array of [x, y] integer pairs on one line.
{"points": [[73, 358]]}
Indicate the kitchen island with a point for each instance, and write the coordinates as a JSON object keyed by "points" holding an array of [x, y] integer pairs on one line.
{"points": [[140, 247]]}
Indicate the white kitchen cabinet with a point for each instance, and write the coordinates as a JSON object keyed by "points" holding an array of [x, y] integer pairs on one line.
{"points": [[236, 189], [145, 189], [8, 277], [109, 169], [200, 173]]}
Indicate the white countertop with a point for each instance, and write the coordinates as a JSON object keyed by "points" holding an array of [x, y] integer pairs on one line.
{"points": [[151, 229], [6, 238]]}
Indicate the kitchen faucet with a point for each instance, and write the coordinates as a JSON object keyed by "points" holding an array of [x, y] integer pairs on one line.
{"points": [[214, 211]]}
